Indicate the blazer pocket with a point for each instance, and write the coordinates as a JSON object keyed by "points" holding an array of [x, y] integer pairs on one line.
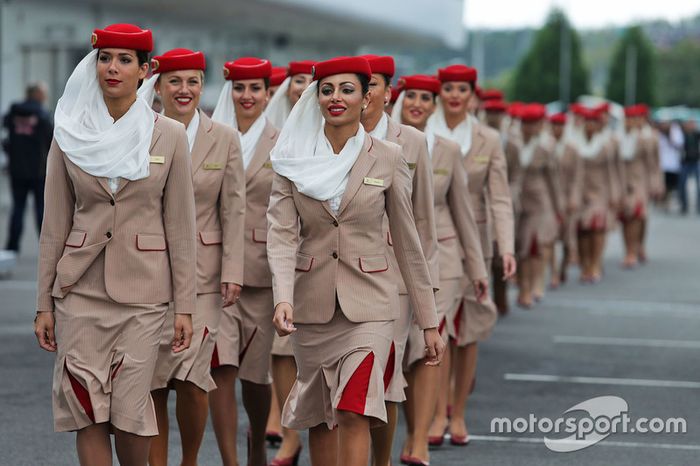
{"points": [[374, 264], [259, 235], [76, 239], [210, 237], [444, 234], [304, 262], [150, 242]]}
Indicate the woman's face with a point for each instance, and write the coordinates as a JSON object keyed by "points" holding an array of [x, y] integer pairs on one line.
{"points": [[180, 91], [249, 98], [455, 96], [379, 96], [341, 100], [119, 72], [297, 84], [418, 105]]}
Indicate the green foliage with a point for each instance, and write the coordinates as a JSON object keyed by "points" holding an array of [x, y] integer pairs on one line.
{"points": [[679, 72], [537, 75], [633, 40]]}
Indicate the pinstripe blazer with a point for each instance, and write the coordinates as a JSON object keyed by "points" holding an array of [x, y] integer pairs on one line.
{"points": [[258, 179], [490, 193], [317, 257], [415, 150], [458, 234], [219, 193], [146, 228]]}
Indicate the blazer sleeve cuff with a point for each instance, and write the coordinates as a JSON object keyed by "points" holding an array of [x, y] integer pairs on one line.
{"points": [[45, 304], [232, 276], [185, 306], [284, 297]]}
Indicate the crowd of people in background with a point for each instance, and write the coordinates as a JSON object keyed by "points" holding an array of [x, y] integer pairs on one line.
{"points": [[338, 238]]}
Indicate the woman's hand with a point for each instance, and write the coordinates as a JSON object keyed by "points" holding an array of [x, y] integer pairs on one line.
{"points": [[183, 332], [510, 266], [434, 346], [230, 293], [284, 319], [481, 289], [44, 325]]}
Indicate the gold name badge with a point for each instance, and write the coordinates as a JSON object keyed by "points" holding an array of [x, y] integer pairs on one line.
{"points": [[213, 166], [157, 159], [374, 181], [441, 171], [411, 166], [481, 159], [267, 165]]}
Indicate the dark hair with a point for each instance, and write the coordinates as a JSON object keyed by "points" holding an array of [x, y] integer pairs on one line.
{"points": [[387, 80], [364, 84]]}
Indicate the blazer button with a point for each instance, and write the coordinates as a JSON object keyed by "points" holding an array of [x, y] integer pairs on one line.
{"points": [[335, 255], [111, 202], [108, 234], [335, 223]]}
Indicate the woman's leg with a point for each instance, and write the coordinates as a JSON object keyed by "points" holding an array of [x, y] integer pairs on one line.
{"points": [[353, 439], [440, 418], [191, 410], [323, 446], [383, 436], [409, 409], [599, 238], [627, 236], [423, 406], [132, 450], [284, 372], [541, 261], [525, 277], [158, 454], [585, 251], [94, 445], [224, 414], [464, 370], [256, 400], [274, 421]]}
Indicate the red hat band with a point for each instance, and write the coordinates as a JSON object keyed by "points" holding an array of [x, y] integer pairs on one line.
{"points": [[492, 94], [301, 67], [247, 68], [420, 82], [381, 64], [340, 65], [178, 59], [278, 75], [457, 73], [533, 112], [123, 36], [495, 106], [558, 119]]}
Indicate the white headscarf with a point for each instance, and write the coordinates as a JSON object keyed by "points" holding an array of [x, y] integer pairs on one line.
{"points": [[527, 152], [461, 134], [278, 108], [90, 137], [589, 149], [225, 113], [304, 155], [397, 116], [628, 144]]}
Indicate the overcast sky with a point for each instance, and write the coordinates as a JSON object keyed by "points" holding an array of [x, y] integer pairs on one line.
{"points": [[583, 13]]}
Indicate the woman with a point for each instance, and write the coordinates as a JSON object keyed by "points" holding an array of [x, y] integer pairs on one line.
{"points": [[415, 150], [243, 345], [277, 77], [458, 244], [219, 191], [117, 244], [597, 196], [284, 368], [539, 212], [570, 170], [327, 251], [484, 162]]}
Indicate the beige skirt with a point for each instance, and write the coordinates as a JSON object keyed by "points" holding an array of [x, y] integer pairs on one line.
{"points": [[282, 346], [256, 309], [447, 300], [106, 358], [396, 390], [341, 366], [194, 364], [472, 321]]}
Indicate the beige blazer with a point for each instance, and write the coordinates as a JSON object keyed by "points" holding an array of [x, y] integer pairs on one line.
{"points": [[415, 150], [570, 172], [258, 179], [599, 184], [219, 193], [486, 168], [457, 232], [146, 229], [318, 258], [656, 176]]}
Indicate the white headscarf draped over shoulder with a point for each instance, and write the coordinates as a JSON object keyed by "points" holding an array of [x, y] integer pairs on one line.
{"points": [[304, 155], [279, 107], [89, 136], [461, 134]]}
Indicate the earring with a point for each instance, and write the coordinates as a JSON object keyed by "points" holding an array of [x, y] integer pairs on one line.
{"points": [[364, 107]]}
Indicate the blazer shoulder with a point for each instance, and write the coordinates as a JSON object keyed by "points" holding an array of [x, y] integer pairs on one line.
{"points": [[221, 131], [448, 144], [271, 130], [412, 134], [168, 125], [490, 134]]}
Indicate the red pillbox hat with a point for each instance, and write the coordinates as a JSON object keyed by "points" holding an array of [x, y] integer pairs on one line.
{"points": [[123, 36], [340, 65], [247, 68], [178, 59]]}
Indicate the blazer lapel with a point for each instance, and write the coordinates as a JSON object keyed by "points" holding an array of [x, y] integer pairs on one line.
{"points": [[202, 142], [262, 152], [438, 147], [357, 174], [393, 132], [156, 135]]}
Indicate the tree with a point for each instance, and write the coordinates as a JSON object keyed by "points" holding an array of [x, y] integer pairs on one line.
{"points": [[537, 77], [632, 72], [679, 68]]}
